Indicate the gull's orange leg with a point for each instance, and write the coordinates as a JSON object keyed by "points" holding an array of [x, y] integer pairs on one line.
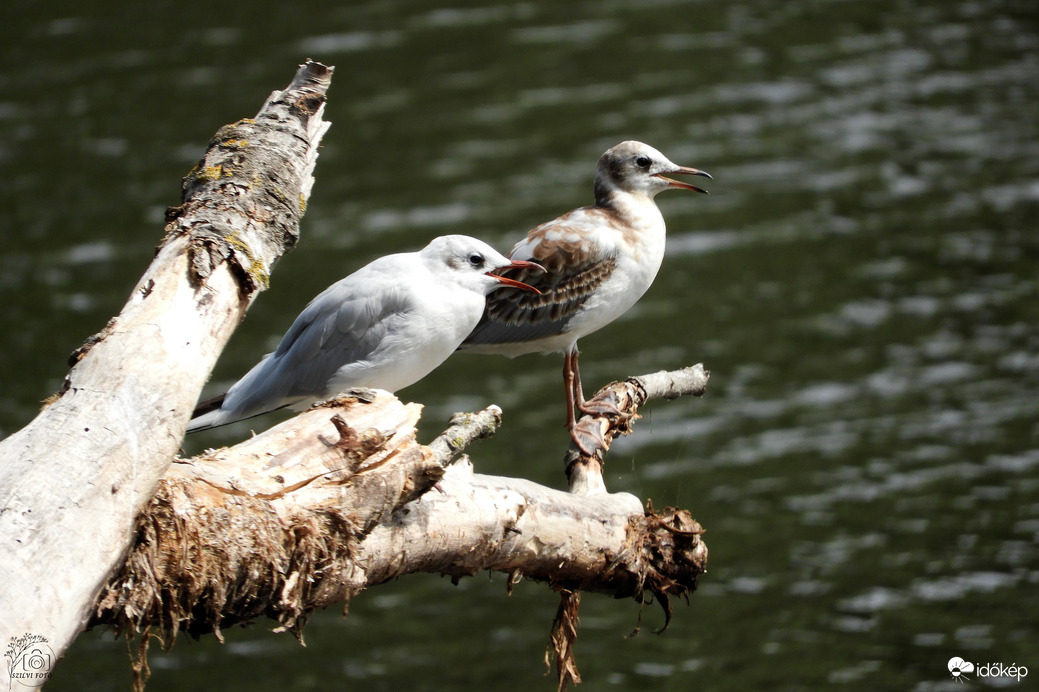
{"points": [[568, 383]]}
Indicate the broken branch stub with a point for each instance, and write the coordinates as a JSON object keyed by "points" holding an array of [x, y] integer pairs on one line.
{"points": [[615, 408], [243, 200], [672, 556]]}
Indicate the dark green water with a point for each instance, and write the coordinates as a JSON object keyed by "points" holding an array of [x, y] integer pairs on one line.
{"points": [[863, 284]]}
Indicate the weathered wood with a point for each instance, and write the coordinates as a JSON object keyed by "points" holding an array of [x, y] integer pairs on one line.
{"points": [[342, 497], [74, 479], [615, 407]]}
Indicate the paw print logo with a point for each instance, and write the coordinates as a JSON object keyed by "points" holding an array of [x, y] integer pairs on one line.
{"points": [[959, 668]]}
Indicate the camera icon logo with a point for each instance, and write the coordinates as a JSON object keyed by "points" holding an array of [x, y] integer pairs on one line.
{"points": [[36, 660], [29, 660]]}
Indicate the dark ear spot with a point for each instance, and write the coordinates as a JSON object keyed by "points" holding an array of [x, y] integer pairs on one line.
{"points": [[615, 165]]}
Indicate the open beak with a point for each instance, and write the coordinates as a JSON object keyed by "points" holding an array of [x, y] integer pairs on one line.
{"points": [[682, 170], [518, 264], [524, 264]]}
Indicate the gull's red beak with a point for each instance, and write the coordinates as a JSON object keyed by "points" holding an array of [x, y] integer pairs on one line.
{"points": [[524, 264], [518, 264], [682, 170]]}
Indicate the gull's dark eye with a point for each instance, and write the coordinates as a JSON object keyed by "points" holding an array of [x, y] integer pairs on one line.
{"points": [[643, 162], [476, 259]]}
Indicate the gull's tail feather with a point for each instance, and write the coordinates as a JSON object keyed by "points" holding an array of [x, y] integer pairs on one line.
{"points": [[208, 405], [212, 413], [208, 415]]}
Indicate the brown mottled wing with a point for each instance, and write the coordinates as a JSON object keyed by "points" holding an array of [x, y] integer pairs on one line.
{"points": [[573, 271]]}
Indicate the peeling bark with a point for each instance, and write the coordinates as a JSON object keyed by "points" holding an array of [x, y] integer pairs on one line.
{"points": [[317, 509]]}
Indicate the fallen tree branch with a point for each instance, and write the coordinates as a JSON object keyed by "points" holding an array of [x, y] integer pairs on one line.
{"points": [[73, 481], [339, 499]]}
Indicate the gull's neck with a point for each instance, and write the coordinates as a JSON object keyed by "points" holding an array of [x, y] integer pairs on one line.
{"points": [[634, 208]]}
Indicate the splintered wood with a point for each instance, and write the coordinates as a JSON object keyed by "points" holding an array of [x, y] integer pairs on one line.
{"points": [[340, 498]]}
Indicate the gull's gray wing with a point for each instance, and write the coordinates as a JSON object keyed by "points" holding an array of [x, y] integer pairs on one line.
{"points": [[344, 324]]}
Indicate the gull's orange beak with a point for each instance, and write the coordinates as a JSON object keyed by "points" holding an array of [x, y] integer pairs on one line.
{"points": [[682, 170]]}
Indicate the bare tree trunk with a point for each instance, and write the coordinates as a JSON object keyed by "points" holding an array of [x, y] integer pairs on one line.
{"points": [[74, 479]]}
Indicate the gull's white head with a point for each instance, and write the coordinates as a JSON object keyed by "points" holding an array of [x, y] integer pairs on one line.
{"points": [[638, 169], [472, 264]]}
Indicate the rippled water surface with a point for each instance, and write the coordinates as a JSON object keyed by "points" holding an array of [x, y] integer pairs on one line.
{"points": [[862, 283]]}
